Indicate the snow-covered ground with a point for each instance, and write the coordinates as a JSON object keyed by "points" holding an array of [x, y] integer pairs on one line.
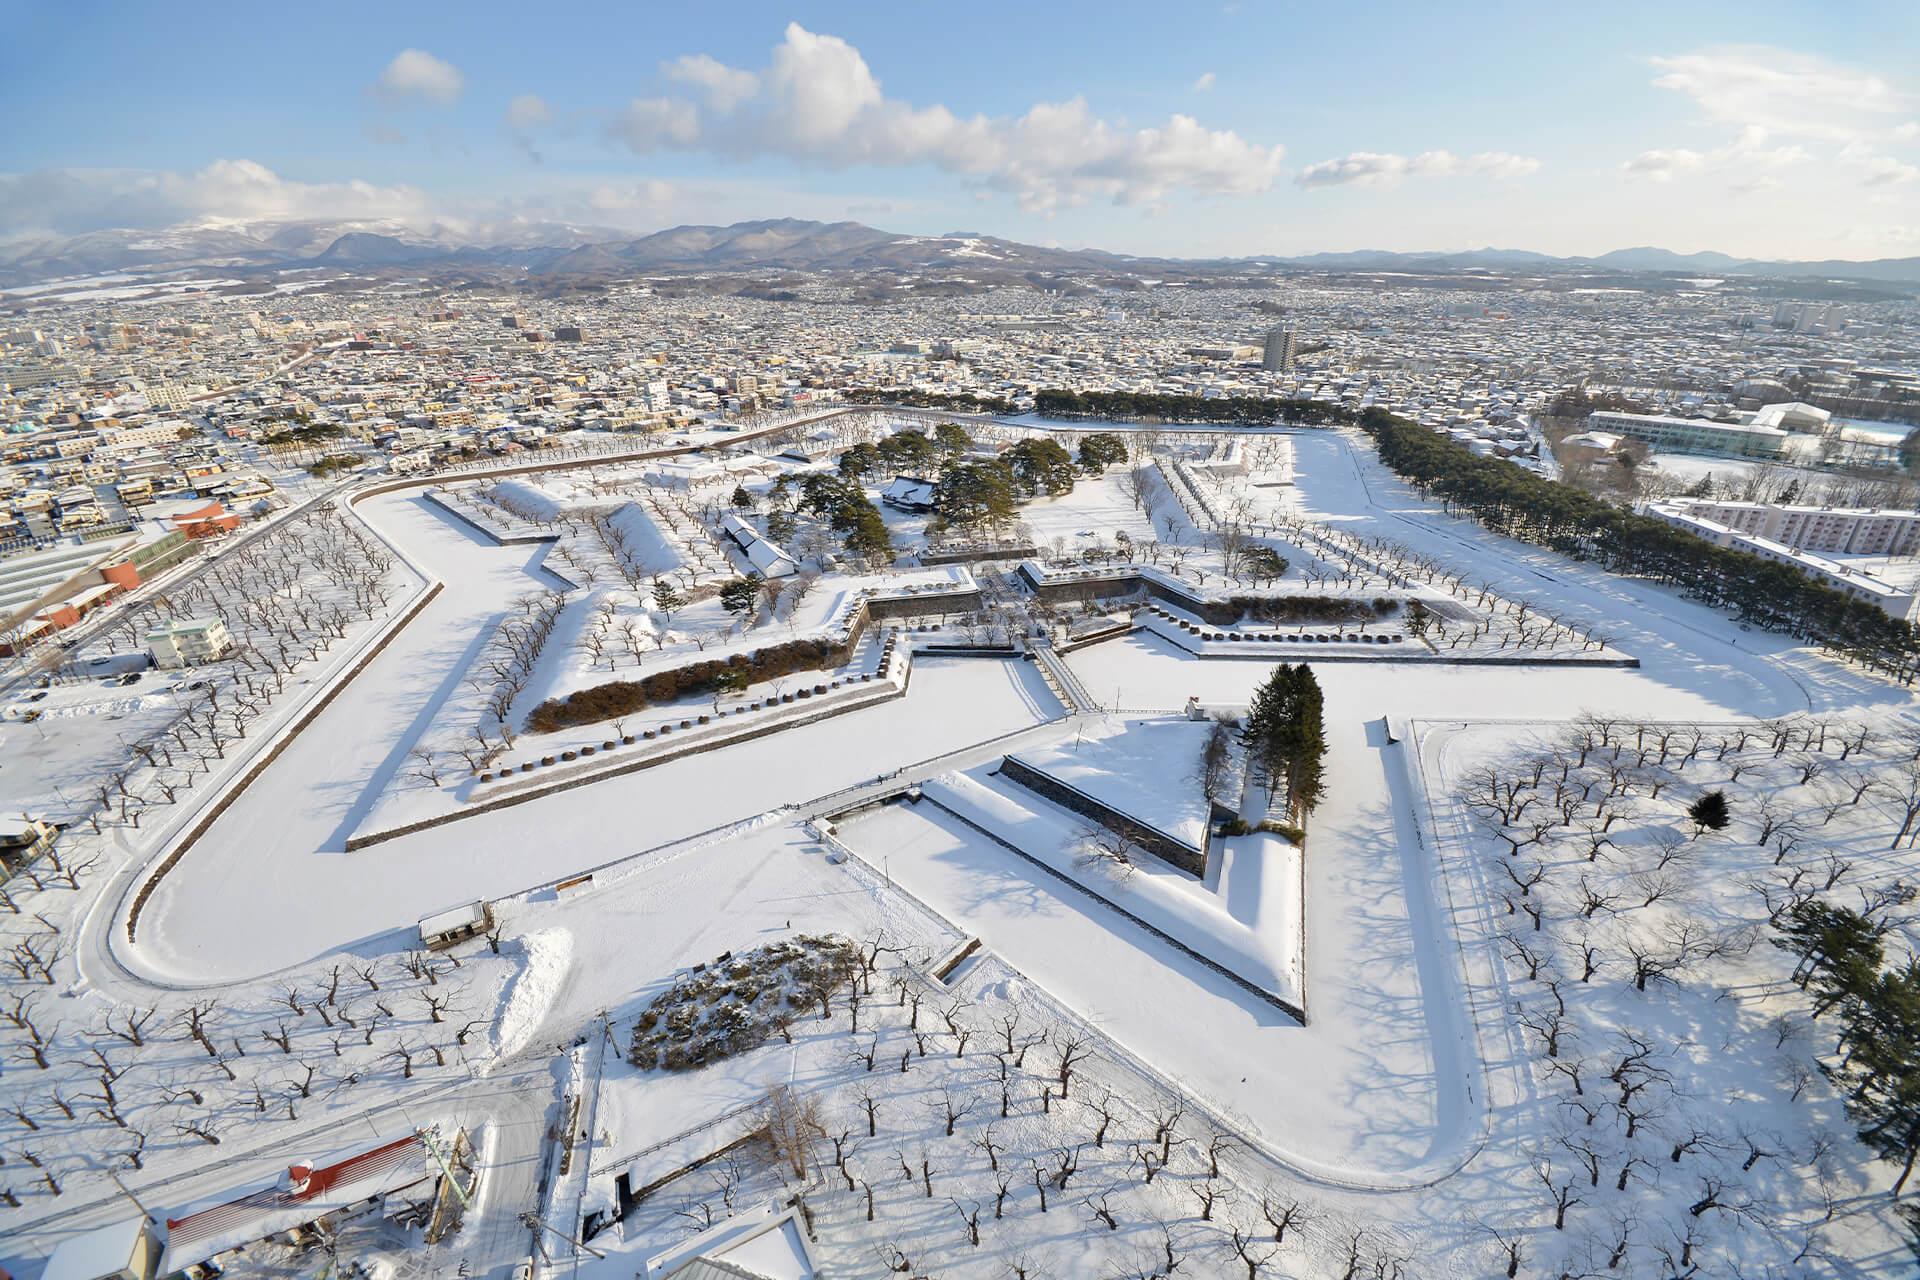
{"points": [[51, 763], [1411, 1115], [1620, 925]]}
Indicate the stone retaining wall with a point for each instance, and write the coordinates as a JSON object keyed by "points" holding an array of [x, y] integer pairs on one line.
{"points": [[1156, 842], [939, 603], [963, 556], [1296, 1011]]}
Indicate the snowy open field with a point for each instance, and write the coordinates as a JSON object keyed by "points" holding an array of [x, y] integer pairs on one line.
{"points": [[1415, 1121]]}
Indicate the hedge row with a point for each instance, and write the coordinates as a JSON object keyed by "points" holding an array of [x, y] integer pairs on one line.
{"points": [[1295, 609], [624, 697]]}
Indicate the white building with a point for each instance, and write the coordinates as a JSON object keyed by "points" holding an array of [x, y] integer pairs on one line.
{"points": [[189, 643], [1692, 435], [1853, 531], [1793, 415], [117, 440], [766, 559], [1846, 578], [1590, 446], [909, 493], [128, 1250]]}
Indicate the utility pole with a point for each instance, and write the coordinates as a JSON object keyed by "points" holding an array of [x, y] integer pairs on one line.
{"points": [[535, 1220], [429, 1140], [130, 1196]]}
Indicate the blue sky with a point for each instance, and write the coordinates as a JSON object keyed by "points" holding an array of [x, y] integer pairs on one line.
{"points": [[1195, 129]]}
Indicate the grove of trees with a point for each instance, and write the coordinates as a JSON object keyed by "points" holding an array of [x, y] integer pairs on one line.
{"points": [[1285, 732]]}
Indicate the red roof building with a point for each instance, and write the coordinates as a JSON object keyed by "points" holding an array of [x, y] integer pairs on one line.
{"points": [[308, 1194], [207, 522]]}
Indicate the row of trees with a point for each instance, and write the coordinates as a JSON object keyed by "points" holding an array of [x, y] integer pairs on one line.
{"points": [[1840, 958], [1123, 405], [135, 1086], [914, 453], [960, 1131], [1624, 921], [1522, 505], [623, 697], [958, 402]]}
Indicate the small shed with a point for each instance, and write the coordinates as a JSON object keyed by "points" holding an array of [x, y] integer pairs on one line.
{"points": [[908, 493], [126, 1250], [455, 925]]}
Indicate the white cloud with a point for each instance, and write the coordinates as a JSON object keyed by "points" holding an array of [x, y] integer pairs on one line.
{"points": [[1662, 165], [527, 112], [650, 124], [823, 85], [1765, 92], [415, 73], [819, 103], [648, 198], [726, 87], [1880, 170], [1747, 163], [1204, 83], [1380, 169], [1502, 164], [239, 193], [1783, 91], [75, 200]]}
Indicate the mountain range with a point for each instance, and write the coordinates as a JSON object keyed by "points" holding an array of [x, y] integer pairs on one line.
{"points": [[564, 250]]}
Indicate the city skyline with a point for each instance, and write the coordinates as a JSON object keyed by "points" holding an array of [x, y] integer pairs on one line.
{"points": [[1237, 130]]}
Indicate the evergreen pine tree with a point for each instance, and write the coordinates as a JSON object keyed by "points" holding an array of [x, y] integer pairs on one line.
{"points": [[1709, 812], [1285, 731], [1306, 763], [1263, 729], [1882, 1068]]}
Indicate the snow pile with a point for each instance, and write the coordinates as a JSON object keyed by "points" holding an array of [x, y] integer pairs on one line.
{"points": [[524, 1004]]}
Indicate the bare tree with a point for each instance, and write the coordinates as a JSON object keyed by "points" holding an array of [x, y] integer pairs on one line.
{"points": [[1070, 1049], [1100, 847]]}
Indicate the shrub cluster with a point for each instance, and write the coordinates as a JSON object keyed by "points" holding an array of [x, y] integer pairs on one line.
{"points": [[734, 1004], [1281, 609], [624, 697]]}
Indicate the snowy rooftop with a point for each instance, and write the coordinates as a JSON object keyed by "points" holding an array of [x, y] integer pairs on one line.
{"points": [[307, 1191], [463, 917], [105, 1251]]}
